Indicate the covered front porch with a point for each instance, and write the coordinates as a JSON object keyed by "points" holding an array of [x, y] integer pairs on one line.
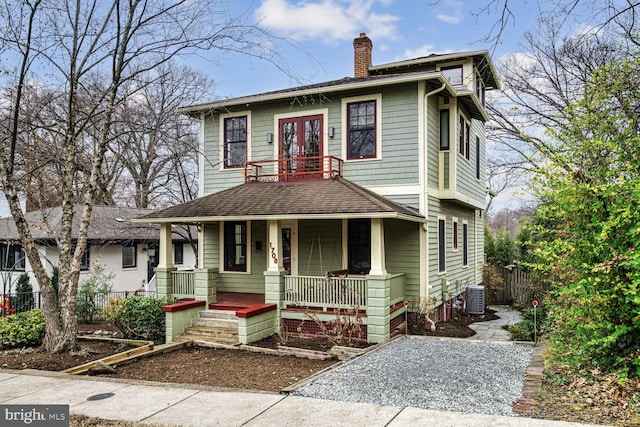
{"points": [[329, 246]]}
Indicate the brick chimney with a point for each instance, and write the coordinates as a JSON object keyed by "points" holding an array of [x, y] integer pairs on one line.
{"points": [[362, 47]]}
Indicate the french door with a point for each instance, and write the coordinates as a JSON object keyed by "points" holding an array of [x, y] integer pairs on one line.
{"points": [[301, 147]]}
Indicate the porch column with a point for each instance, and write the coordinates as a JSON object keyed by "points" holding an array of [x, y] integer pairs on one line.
{"points": [[164, 279], [165, 257], [274, 236], [378, 302], [205, 286], [274, 276], [378, 267]]}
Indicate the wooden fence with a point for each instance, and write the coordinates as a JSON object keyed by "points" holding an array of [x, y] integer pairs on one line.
{"points": [[508, 286]]}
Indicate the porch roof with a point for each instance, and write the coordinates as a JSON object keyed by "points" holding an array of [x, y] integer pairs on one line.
{"points": [[328, 198]]}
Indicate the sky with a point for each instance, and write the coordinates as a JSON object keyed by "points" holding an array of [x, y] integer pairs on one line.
{"points": [[319, 36]]}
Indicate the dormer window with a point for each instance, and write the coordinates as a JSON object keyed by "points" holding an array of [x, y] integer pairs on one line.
{"points": [[453, 74]]}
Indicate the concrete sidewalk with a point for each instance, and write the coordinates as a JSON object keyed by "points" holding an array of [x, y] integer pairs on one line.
{"points": [[168, 404]]}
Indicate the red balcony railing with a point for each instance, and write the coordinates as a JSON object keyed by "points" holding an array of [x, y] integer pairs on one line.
{"points": [[293, 169]]}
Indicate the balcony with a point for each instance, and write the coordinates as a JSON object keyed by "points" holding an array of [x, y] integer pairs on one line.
{"points": [[293, 169]]}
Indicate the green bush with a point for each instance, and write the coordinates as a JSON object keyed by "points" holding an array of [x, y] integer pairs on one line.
{"points": [[94, 289], [530, 324], [22, 329], [23, 300], [138, 317]]}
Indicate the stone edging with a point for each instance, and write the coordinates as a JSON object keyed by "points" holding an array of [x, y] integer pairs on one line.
{"points": [[532, 384]]}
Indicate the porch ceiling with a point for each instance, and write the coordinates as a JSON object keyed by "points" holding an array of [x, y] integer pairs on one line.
{"points": [[329, 198]]}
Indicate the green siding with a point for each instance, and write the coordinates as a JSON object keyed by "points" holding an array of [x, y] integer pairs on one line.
{"points": [[455, 271], [411, 200], [399, 147], [211, 245], [402, 249]]}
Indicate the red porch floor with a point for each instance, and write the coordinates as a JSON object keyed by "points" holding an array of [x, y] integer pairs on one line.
{"points": [[236, 301]]}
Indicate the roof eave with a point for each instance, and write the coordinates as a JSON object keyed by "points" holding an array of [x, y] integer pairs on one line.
{"points": [[396, 79], [206, 219]]}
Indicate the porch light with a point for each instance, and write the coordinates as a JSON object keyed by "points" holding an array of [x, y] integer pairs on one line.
{"points": [[269, 137], [331, 131]]}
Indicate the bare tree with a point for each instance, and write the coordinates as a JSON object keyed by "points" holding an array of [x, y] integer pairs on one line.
{"points": [[539, 85], [91, 52], [157, 147]]}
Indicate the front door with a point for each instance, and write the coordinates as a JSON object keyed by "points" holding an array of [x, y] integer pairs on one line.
{"points": [[301, 147]]}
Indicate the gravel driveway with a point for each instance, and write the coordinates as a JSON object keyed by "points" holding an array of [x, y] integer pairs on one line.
{"points": [[431, 373]]}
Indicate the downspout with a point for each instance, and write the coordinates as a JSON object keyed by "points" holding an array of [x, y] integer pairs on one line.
{"points": [[426, 186]]}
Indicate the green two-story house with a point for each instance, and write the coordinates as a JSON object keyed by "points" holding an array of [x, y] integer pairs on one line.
{"points": [[378, 178]]}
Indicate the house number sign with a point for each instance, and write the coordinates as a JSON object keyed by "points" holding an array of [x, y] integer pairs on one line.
{"points": [[273, 253]]}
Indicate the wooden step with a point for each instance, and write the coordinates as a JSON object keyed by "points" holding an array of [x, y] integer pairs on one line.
{"points": [[208, 339]]}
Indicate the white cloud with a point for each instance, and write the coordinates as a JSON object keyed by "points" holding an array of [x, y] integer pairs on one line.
{"points": [[328, 20], [451, 13], [424, 50]]}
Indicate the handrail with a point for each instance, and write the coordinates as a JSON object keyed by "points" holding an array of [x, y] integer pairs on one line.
{"points": [[293, 169]]}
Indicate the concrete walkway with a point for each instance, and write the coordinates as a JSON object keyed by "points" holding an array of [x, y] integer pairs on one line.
{"points": [[189, 405], [167, 404], [493, 329]]}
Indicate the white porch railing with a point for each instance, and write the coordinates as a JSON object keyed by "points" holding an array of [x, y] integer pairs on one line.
{"points": [[321, 291], [183, 284]]}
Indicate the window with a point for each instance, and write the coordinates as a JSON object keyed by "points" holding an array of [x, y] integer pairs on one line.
{"points": [[235, 246], [129, 255], [455, 234], [480, 89], [359, 246], [361, 130], [465, 244], [477, 157], [464, 135], [178, 253], [12, 257], [453, 74], [85, 262], [444, 129], [235, 141], [442, 265]]}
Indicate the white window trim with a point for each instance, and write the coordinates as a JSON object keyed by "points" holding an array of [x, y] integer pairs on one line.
{"points": [[441, 218], [454, 245], [467, 121], [222, 249], [377, 97], [467, 71], [224, 116], [465, 223]]}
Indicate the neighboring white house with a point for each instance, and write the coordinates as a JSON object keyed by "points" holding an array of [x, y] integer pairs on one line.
{"points": [[127, 250]]}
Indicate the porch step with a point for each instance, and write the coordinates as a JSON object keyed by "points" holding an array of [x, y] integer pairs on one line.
{"points": [[216, 326], [215, 322], [218, 314], [211, 331]]}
